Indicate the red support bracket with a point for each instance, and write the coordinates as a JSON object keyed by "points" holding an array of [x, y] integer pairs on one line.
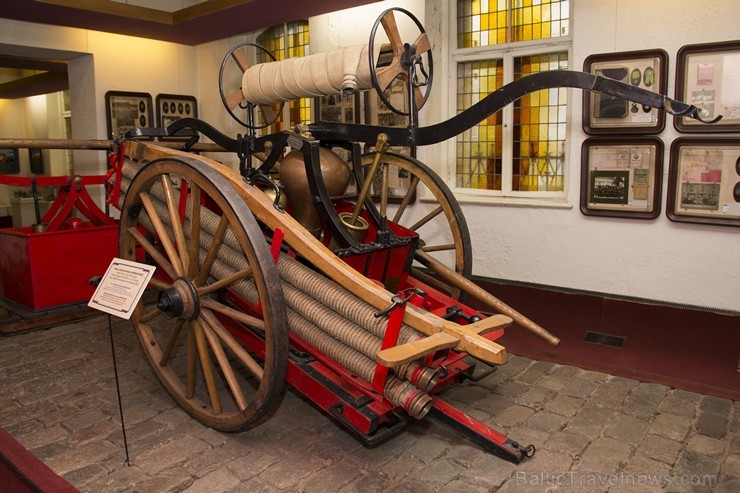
{"points": [[395, 314], [74, 195]]}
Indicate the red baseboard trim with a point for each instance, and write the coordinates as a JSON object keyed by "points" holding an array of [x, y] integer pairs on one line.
{"points": [[681, 347], [21, 471]]}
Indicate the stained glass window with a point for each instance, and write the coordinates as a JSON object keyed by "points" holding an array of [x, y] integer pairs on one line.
{"points": [[491, 22], [539, 129], [522, 150]]}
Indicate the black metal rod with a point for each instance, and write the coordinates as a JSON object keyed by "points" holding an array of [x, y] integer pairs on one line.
{"points": [[118, 390]]}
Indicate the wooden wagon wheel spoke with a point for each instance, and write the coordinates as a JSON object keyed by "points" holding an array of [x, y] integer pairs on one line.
{"points": [[150, 315], [218, 237], [424, 220], [243, 356], [175, 223], [171, 342], [158, 283], [235, 314], [164, 238], [226, 281], [404, 180], [193, 343], [194, 248], [438, 248], [406, 199], [225, 366], [206, 367], [152, 251], [190, 363]]}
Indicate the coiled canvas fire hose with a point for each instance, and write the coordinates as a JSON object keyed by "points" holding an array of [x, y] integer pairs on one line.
{"points": [[320, 311], [344, 71]]}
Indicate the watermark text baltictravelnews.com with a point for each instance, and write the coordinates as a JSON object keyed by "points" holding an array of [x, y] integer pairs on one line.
{"points": [[571, 478]]}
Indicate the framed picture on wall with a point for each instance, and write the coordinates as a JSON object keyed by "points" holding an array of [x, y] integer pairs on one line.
{"points": [[707, 76], [704, 181], [621, 177], [127, 110], [605, 114], [172, 107], [338, 109], [36, 160], [9, 162]]}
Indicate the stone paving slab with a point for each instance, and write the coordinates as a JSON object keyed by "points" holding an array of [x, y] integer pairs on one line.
{"points": [[593, 431]]}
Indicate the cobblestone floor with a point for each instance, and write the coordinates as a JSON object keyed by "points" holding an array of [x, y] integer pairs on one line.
{"points": [[593, 431]]}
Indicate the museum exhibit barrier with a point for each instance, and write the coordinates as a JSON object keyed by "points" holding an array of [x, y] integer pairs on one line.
{"points": [[344, 290]]}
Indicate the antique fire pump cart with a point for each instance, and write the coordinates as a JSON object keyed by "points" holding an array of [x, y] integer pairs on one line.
{"points": [[354, 299]]}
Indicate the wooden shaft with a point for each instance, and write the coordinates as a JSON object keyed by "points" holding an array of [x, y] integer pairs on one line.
{"points": [[94, 144], [467, 286]]}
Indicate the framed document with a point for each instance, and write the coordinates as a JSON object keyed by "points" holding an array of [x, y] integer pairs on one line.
{"points": [[621, 177], [127, 110], [704, 181], [707, 76], [339, 109], [172, 107], [605, 114]]}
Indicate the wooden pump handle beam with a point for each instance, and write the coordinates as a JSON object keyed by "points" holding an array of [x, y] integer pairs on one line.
{"points": [[450, 276], [95, 144]]}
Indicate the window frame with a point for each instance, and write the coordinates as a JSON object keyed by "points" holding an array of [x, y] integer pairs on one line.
{"points": [[507, 52]]}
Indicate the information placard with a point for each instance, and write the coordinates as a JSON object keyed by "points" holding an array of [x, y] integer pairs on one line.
{"points": [[121, 287]]}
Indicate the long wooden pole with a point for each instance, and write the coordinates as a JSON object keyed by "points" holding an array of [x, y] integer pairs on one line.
{"points": [[451, 277], [95, 144]]}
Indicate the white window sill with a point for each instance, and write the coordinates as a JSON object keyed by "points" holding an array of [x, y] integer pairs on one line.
{"points": [[549, 203]]}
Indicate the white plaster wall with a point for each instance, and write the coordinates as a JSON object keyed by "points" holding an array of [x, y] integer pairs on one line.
{"points": [[122, 63], [655, 259]]}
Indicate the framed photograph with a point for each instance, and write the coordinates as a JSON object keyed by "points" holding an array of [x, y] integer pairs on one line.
{"points": [[127, 110], [36, 160], [704, 181], [707, 76], [604, 114], [339, 109], [172, 107], [621, 177], [9, 162]]}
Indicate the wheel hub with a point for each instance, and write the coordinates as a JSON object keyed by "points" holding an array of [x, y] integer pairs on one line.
{"points": [[180, 300]]}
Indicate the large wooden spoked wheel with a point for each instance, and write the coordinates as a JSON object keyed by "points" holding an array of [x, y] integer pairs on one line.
{"points": [[189, 337], [384, 76], [233, 98], [398, 183]]}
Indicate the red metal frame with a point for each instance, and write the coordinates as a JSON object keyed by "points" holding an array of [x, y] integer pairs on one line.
{"points": [[51, 268]]}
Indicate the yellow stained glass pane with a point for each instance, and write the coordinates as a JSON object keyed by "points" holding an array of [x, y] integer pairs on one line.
{"points": [[527, 19], [478, 149]]}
